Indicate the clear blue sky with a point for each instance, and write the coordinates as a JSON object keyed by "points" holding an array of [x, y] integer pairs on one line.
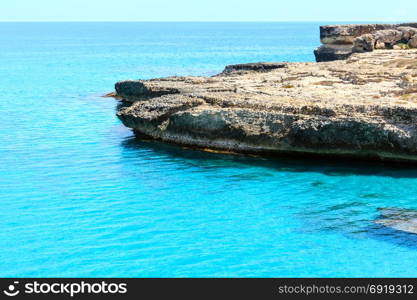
{"points": [[208, 10]]}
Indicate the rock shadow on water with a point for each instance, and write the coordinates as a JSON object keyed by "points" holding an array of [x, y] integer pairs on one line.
{"points": [[318, 183], [393, 225], [347, 218], [328, 167], [372, 196], [351, 218]]}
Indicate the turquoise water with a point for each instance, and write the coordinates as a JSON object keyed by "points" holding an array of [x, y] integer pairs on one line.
{"points": [[81, 197]]}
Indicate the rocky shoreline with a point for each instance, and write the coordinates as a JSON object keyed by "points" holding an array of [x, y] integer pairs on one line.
{"points": [[364, 106]]}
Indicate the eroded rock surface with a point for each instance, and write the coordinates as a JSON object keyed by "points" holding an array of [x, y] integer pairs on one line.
{"points": [[341, 41], [365, 107]]}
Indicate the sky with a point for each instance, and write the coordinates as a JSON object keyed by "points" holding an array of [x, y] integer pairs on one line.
{"points": [[209, 10]]}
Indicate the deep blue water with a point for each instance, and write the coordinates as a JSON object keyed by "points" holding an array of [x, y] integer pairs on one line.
{"points": [[81, 197]]}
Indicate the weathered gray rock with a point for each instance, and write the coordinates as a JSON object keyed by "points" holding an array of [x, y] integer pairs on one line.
{"points": [[407, 32], [389, 37], [364, 43], [346, 34], [337, 39], [333, 52], [412, 43], [129, 89], [362, 107], [259, 67]]}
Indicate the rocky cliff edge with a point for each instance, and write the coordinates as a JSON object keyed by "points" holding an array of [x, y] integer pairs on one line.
{"points": [[361, 107]]}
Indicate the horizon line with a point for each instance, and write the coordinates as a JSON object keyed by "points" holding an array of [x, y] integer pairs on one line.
{"points": [[206, 21]]}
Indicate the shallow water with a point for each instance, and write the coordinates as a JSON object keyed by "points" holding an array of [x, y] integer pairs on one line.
{"points": [[82, 197]]}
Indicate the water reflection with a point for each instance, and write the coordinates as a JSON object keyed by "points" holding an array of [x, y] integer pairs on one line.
{"points": [[392, 235], [328, 167], [323, 196]]}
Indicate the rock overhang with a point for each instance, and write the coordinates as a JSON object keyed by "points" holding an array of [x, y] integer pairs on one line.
{"points": [[362, 107]]}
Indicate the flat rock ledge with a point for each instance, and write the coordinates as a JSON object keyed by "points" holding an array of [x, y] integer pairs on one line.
{"points": [[362, 107]]}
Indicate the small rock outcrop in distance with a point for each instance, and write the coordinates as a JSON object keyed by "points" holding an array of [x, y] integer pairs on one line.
{"points": [[260, 67], [341, 41], [130, 89]]}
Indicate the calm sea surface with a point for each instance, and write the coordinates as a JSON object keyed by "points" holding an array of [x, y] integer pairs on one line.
{"points": [[81, 197]]}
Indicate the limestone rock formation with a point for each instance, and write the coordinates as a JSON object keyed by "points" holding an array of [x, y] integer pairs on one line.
{"points": [[412, 43], [333, 52], [361, 107], [346, 34], [341, 41], [364, 43]]}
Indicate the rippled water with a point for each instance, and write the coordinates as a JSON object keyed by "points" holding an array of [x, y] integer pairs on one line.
{"points": [[81, 197]]}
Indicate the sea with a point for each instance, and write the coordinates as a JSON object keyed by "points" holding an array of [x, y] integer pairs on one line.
{"points": [[82, 197]]}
